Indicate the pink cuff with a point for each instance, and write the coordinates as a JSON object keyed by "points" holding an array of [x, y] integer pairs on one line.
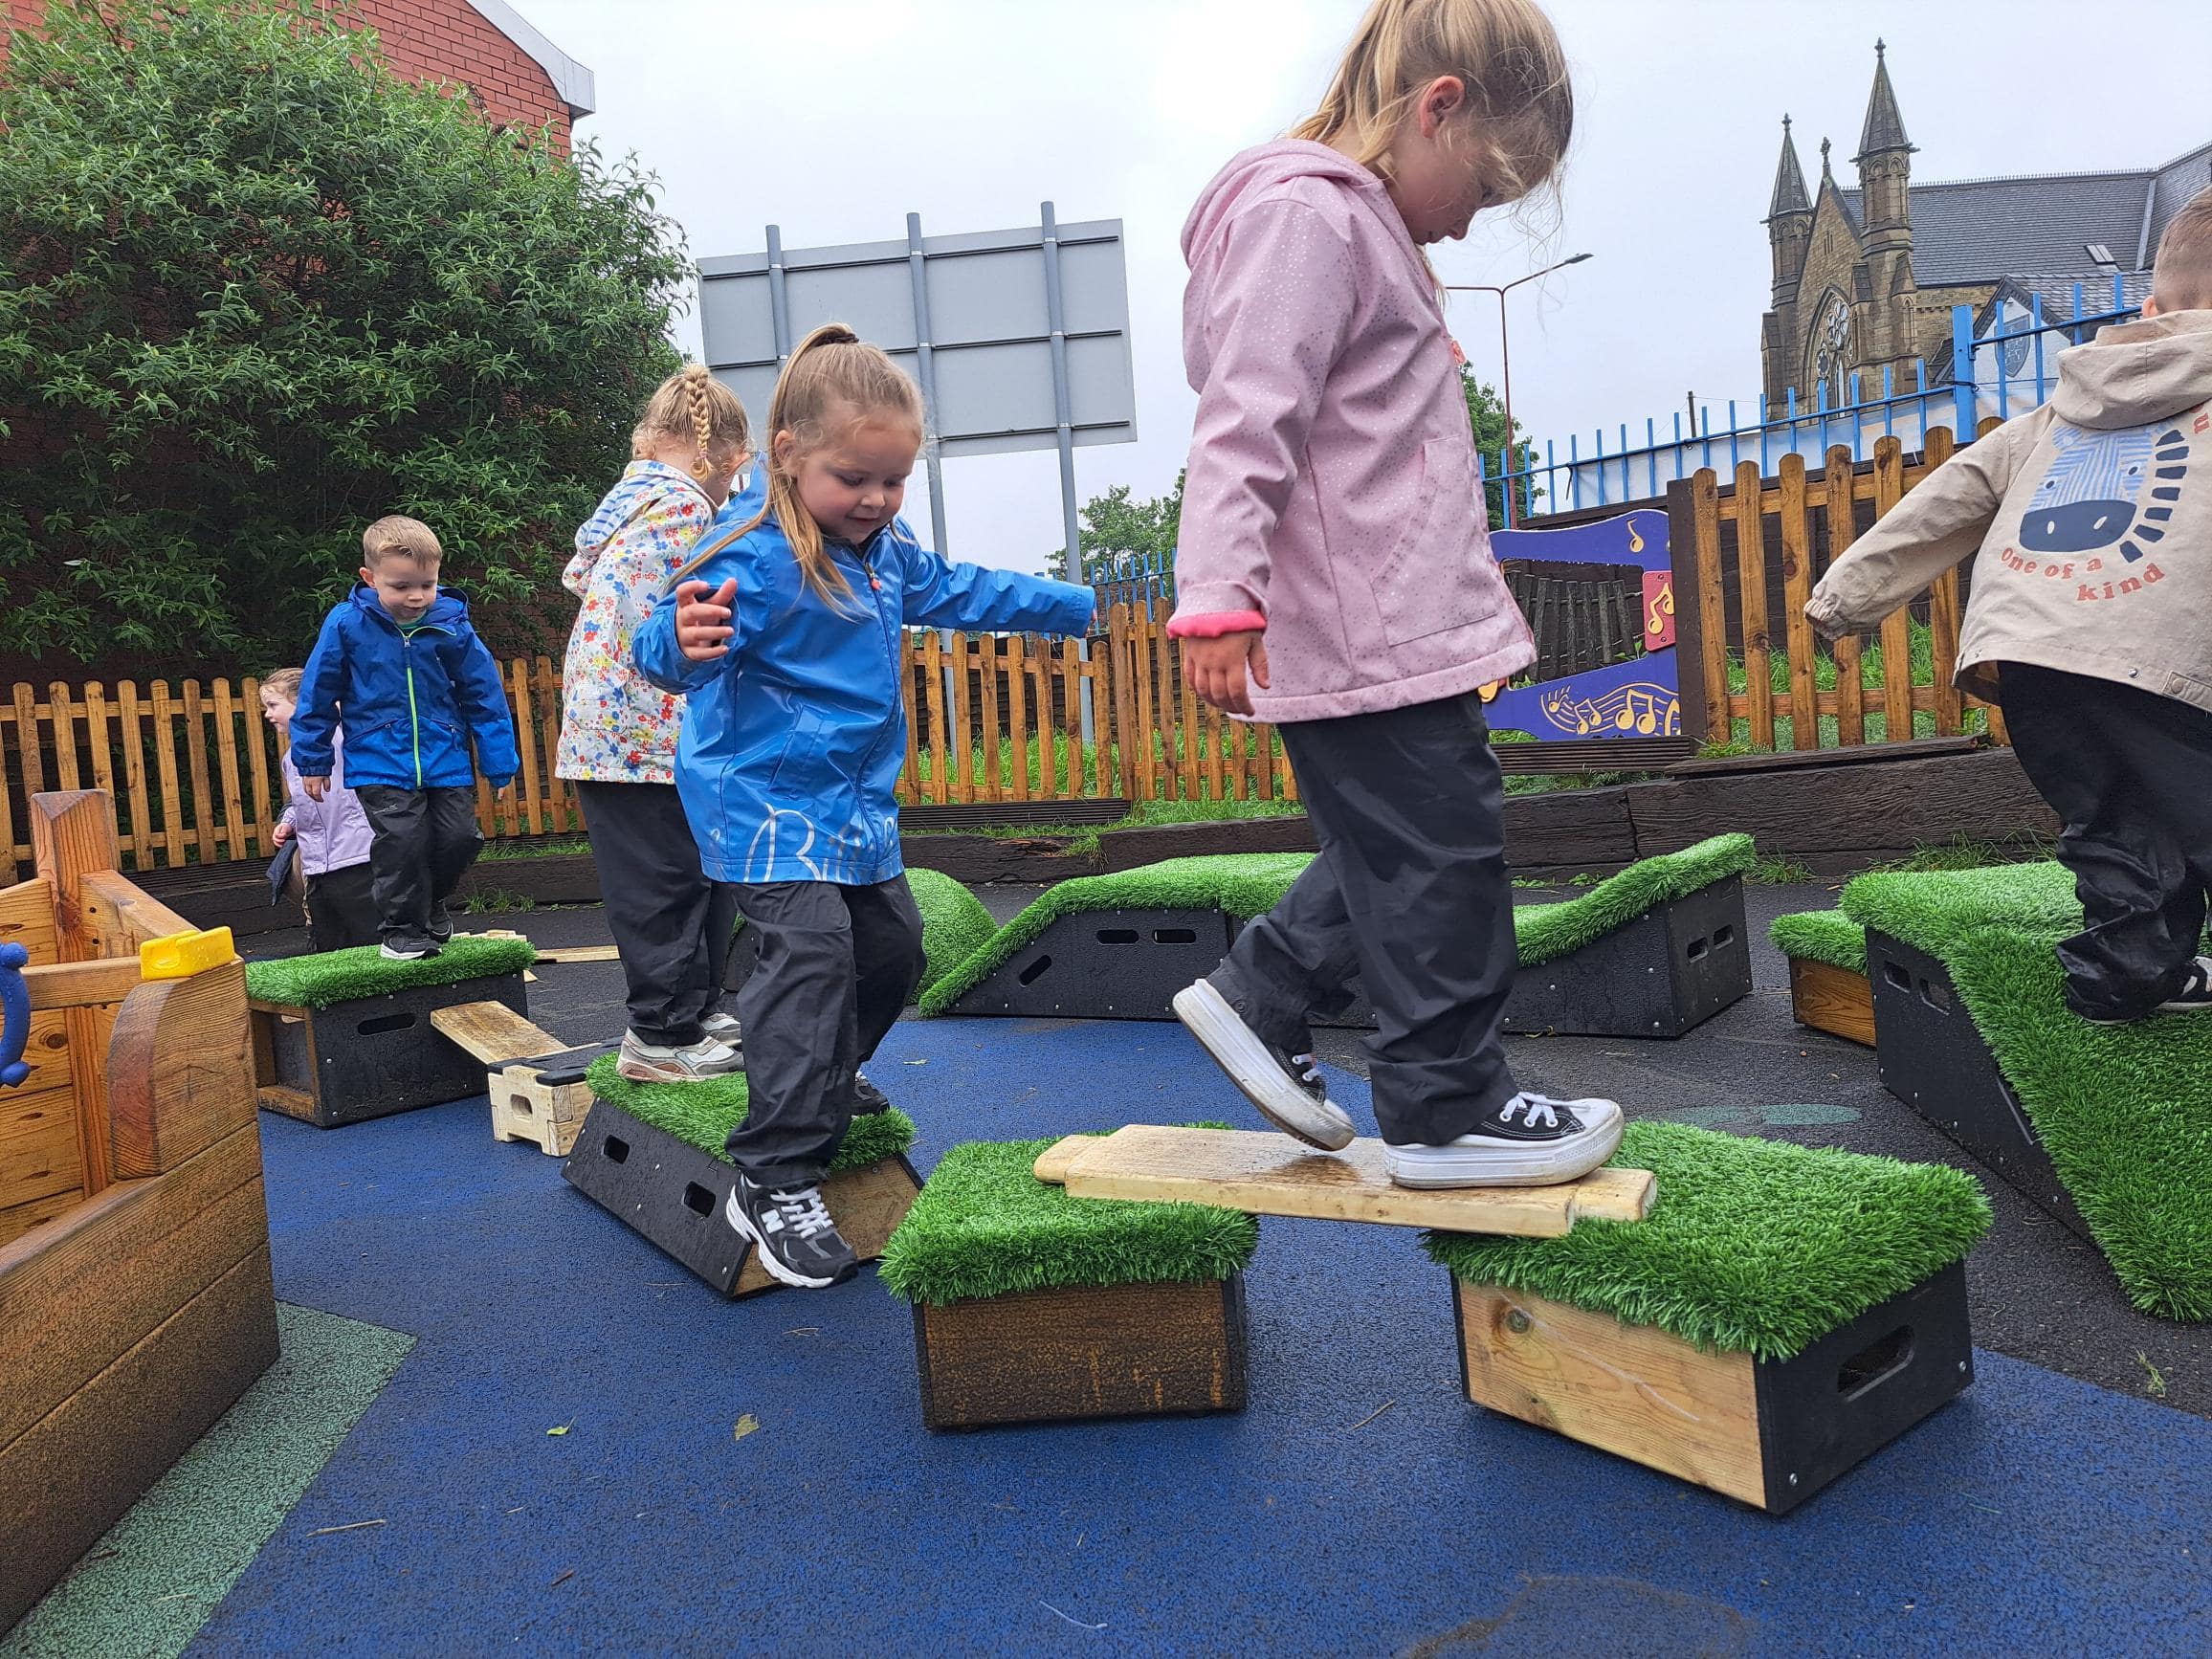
{"points": [[1213, 626]]}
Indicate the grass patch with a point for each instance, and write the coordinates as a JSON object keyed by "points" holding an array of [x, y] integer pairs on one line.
{"points": [[343, 976], [1963, 853], [703, 1114], [1247, 884], [496, 901], [1782, 872], [1757, 1246], [2121, 1109], [1825, 936], [1079, 840], [531, 847], [985, 1225]]}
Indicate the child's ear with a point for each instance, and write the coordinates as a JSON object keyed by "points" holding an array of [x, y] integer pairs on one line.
{"points": [[783, 447], [368, 576]]}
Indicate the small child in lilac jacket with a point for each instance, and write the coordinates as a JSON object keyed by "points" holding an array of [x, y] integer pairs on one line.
{"points": [[333, 835]]}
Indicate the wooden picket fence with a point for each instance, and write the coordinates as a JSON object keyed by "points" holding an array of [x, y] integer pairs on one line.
{"points": [[992, 718], [1751, 551]]}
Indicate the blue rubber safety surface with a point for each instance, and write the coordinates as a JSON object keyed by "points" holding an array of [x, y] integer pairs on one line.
{"points": [[1359, 1505]]}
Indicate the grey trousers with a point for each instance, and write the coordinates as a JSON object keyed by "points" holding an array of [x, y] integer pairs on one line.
{"points": [[837, 965], [1411, 893], [672, 924]]}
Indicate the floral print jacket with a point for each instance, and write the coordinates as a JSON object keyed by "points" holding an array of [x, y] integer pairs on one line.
{"points": [[616, 727]]}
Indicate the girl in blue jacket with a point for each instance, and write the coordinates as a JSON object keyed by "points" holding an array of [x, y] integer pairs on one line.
{"points": [[785, 633]]}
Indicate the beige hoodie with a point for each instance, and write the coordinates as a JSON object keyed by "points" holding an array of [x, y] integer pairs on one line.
{"points": [[2094, 517]]}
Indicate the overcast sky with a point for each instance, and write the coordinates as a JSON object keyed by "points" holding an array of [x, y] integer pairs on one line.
{"points": [[834, 119]]}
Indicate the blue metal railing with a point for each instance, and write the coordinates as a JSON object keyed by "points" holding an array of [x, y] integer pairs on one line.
{"points": [[2003, 370]]}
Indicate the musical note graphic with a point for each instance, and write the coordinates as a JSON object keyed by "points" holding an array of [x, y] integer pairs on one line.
{"points": [[1635, 542], [1644, 708], [1658, 609]]}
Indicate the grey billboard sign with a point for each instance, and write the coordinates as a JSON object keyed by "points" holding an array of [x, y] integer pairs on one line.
{"points": [[1019, 339]]}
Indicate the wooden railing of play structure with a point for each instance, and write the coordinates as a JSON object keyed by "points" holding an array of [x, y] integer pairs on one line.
{"points": [[1731, 609]]}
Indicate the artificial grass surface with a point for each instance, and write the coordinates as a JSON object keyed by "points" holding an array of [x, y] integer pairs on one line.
{"points": [[703, 1114], [341, 976], [954, 924], [2125, 1112], [1827, 936], [985, 1225], [1247, 884], [1751, 1245]]}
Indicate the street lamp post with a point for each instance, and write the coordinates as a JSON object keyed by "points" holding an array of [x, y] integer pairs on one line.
{"points": [[1505, 355]]}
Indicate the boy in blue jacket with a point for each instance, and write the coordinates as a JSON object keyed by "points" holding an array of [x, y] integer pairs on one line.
{"points": [[415, 685]]}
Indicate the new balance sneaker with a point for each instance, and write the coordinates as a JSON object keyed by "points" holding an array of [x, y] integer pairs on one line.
{"points": [[723, 1028], [2193, 997], [643, 1062], [798, 1242], [1285, 1087], [407, 947], [867, 1097], [1531, 1140]]}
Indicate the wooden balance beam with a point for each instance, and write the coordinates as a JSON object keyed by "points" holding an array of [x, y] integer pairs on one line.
{"points": [[1264, 1173], [534, 1082]]}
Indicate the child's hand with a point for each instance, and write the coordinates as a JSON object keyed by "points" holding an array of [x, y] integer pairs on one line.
{"points": [[702, 620], [280, 835], [1215, 668], [315, 787]]}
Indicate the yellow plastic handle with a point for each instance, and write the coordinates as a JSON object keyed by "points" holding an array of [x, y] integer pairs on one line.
{"points": [[181, 955]]}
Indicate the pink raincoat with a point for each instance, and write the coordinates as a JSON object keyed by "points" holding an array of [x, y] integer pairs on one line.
{"points": [[1332, 495]]}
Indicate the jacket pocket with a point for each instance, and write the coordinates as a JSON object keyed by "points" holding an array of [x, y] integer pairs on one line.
{"points": [[1426, 584], [801, 767]]}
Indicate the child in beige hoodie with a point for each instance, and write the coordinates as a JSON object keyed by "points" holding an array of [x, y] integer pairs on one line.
{"points": [[2089, 622]]}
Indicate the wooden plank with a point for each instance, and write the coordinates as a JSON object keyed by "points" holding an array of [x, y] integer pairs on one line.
{"points": [[1270, 1174], [1211, 732], [933, 687], [1148, 782], [9, 854], [580, 953], [1831, 999], [166, 763], [180, 1068], [78, 985], [1896, 630], [1101, 781], [1629, 1390], [120, 1265], [232, 829], [557, 791], [1944, 616], [46, 1052], [19, 1219], [40, 1160], [1018, 717], [65, 1482], [196, 754], [961, 738], [27, 917], [1859, 754], [72, 836], [96, 741], [60, 714], [986, 648], [1751, 598], [1843, 531], [121, 916], [1796, 576], [1059, 1355], [522, 806], [263, 805], [493, 1033], [142, 841], [27, 751], [1712, 602]]}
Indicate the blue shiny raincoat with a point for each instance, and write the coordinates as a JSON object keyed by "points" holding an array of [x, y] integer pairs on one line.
{"points": [[792, 743]]}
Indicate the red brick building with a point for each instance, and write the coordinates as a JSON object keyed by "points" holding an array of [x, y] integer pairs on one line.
{"points": [[514, 73]]}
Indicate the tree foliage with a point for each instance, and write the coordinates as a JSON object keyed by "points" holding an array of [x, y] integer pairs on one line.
{"points": [[1121, 538], [256, 291], [1487, 412]]}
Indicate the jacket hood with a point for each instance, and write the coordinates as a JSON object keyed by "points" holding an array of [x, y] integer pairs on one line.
{"points": [[449, 609], [2134, 373], [1267, 164], [640, 482]]}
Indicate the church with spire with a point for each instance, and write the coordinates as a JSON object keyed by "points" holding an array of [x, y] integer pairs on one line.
{"points": [[1865, 278]]}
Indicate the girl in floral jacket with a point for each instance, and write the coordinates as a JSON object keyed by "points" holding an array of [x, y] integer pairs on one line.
{"points": [[618, 733]]}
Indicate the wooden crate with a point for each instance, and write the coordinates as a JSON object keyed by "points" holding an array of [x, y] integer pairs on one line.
{"points": [[1769, 1433], [537, 1087], [1137, 1350], [370, 1057], [671, 1194], [1831, 999]]}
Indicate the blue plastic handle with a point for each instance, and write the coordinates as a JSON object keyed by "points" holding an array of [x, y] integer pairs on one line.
{"points": [[14, 1015]]}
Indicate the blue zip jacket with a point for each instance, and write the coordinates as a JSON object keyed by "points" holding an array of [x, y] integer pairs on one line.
{"points": [[412, 698], [792, 741]]}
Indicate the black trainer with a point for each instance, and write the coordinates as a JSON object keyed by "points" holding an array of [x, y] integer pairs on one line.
{"points": [[798, 1242], [867, 1097], [1529, 1141], [2193, 996], [441, 927], [407, 947]]}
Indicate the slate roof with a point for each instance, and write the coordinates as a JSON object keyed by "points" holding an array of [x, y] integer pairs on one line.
{"points": [[1885, 128], [1789, 180]]}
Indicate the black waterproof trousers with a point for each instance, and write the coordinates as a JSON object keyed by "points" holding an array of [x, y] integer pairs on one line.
{"points": [[422, 842], [342, 908], [1412, 893], [2128, 773], [837, 965], [672, 924]]}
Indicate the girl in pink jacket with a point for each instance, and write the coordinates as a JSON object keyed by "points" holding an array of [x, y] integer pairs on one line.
{"points": [[1335, 576]]}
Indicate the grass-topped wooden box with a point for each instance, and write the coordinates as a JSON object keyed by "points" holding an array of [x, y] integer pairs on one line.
{"points": [[1782, 1313], [346, 1036], [1033, 1307], [1828, 990], [651, 1155]]}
